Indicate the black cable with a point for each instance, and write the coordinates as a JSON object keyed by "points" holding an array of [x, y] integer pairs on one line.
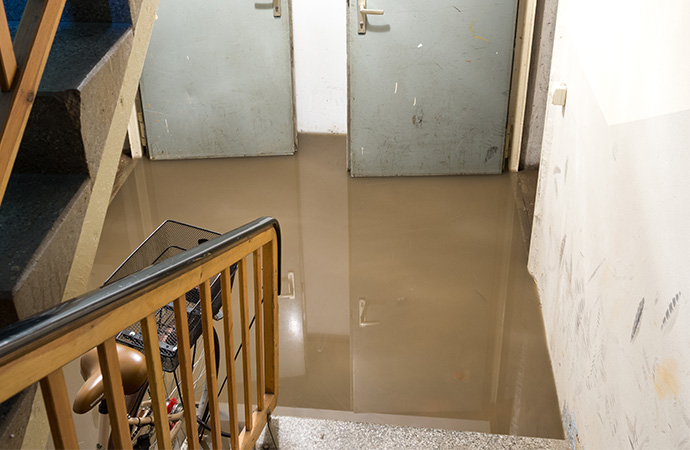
{"points": [[207, 428], [222, 385], [179, 391]]}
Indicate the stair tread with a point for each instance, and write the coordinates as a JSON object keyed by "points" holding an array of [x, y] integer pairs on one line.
{"points": [[32, 205], [78, 48], [307, 434], [80, 11]]}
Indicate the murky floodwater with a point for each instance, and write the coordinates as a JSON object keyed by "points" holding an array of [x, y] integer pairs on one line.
{"points": [[411, 304]]}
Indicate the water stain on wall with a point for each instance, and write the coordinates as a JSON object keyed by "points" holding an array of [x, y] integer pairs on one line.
{"points": [[665, 378]]}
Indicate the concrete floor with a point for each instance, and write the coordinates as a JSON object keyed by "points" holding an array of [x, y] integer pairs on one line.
{"points": [[412, 304]]}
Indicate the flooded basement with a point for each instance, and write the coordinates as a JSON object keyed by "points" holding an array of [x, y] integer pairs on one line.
{"points": [[411, 302]]}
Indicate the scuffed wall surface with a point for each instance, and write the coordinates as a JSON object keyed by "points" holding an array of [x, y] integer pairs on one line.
{"points": [[611, 237]]}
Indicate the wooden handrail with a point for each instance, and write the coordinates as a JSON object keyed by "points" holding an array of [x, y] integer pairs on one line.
{"points": [[22, 65], [37, 348], [8, 62]]}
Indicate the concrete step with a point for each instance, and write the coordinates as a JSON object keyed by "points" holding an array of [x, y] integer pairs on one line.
{"points": [[76, 99], [61, 151], [66, 162], [40, 218], [44, 207], [297, 433], [111, 11]]}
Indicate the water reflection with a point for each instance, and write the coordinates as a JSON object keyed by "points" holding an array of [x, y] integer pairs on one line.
{"points": [[411, 303]]}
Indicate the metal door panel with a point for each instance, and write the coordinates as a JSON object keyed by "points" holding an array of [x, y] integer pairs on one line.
{"points": [[217, 81], [428, 87]]}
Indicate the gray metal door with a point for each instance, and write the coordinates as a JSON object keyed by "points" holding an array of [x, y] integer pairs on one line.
{"points": [[428, 86], [217, 81]]}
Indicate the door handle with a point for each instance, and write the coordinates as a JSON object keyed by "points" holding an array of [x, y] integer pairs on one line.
{"points": [[276, 8], [362, 13]]}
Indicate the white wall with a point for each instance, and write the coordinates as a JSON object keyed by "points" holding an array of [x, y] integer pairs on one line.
{"points": [[611, 240], [320, 65]]}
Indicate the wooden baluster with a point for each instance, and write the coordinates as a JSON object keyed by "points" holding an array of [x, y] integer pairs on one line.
{"points": [[246, 356], [114, 393], [31, 48], [226, 289], [183, 352], [270, 295], [156, 384], [210, 359], [8, 62], [59, 411], [259, 331]]}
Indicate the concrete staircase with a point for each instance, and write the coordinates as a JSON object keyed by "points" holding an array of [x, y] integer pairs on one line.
{"points": [[296, 433], [58, 194]]}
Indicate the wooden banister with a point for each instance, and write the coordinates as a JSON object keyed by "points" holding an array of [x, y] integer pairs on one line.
{"points": [[246, 357], [226, 283], [37, 348], [22, 69], [8, 62], [209, 355], [114, 394], [186, 370], [58, 410]]}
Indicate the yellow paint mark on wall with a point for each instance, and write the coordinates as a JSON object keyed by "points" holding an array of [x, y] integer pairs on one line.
{"points": [[475, 34], [665, 378]]}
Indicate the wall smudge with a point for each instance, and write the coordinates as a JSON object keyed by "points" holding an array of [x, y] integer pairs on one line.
{"points": [[490, 153], [670, 312], [570, 428], [565, 171], [562, 251], [636, 322], [596, 270]]}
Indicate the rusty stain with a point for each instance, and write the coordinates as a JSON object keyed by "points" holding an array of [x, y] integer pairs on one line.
{"points": [[463, 375], [475, 34], [665, 378]]}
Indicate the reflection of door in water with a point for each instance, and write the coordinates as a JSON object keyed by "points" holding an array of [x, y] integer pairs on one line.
{"points": [[428, 86], [426, 267], [217, 80]]}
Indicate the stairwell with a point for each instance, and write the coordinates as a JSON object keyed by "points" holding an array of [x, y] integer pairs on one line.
{"points": [[55, 204], [57, 196]]}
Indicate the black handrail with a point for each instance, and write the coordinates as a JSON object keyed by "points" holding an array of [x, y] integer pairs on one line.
{"points": [[67, 315]]}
